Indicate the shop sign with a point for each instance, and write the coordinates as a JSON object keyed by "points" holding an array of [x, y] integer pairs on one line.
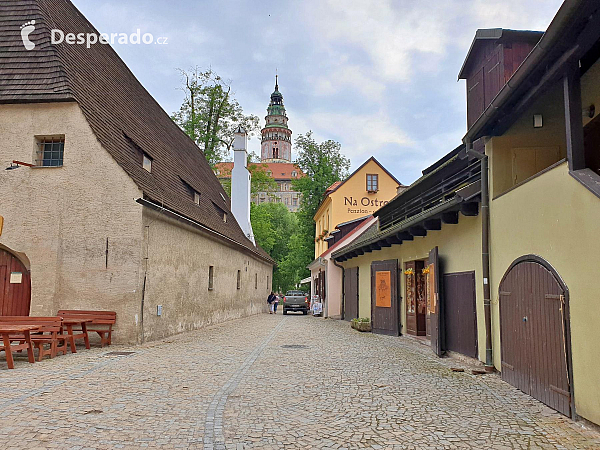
{"points": [[383, 296]]}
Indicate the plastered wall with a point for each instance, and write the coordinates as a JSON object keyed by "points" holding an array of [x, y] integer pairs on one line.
{"points": [[555, 217], [459, 250], [60, 218], [179, 257]]}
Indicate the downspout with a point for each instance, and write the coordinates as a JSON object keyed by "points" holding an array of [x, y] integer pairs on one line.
{"points": [[335, 263], [485, 252]]}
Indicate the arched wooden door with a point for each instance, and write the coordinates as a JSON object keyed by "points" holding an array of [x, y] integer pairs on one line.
{"points": [[533, 333], [15, 286]]}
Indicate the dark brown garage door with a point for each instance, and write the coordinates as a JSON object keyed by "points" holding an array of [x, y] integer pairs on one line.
{"points": [[459, 313], [533, 334], [15, 286], [384, 297], [351, 293]]}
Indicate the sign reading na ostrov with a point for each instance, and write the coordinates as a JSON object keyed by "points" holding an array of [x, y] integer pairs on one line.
{"points": [[366, 205]]}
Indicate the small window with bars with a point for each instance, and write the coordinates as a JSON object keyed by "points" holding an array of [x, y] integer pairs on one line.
{"points": [[372, 182], [211, 278], [239, 279], [50, 151]]}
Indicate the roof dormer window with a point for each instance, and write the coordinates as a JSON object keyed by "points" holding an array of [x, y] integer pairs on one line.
{"points": [[147, 163]]}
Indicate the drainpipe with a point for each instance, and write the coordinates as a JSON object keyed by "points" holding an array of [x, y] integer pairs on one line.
{"points": [[485, 252], [335, 263]]}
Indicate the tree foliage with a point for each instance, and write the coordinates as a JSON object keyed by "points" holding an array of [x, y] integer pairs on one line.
{"points": [[210, 114], [323, 164], [274, 227]]}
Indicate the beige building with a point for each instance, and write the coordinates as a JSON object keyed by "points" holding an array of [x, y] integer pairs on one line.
{"points": [[109, 204]]}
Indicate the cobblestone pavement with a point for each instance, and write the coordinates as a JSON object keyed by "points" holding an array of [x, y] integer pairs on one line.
{"points": [[239, 385]]}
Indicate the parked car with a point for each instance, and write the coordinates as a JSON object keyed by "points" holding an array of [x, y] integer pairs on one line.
{"points": [[295, 301]]}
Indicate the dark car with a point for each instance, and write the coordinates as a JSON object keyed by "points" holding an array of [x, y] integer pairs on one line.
{"points": [[295, 301]]}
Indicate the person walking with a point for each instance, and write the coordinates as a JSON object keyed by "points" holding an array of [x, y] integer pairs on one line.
{"points": [[275, 303], [271, 301]]}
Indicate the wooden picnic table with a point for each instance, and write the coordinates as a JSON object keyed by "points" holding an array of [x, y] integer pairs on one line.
{"points": [[6, 330], [69, 322]]}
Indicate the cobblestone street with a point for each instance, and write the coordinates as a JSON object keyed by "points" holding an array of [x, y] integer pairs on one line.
{"points": [[272, 382]]}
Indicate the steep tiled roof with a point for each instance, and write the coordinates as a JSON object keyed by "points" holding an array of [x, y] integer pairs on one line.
{"points": [[122, 114], [280, 171]]}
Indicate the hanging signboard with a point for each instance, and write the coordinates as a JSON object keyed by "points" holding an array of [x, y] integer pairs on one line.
{"points": [[383, 288]]}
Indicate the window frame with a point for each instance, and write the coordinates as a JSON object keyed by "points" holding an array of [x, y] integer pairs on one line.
{"points": [[239, 279], [147, 158], [52, 140], [211, 278], [373, 182]]}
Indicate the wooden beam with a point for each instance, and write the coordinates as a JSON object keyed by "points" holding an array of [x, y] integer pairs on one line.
{"points": [[433, 224], [450, 217], [405, 236], [394, 240], [376, 246], [384, 243], [573, 119], [417, 231], [469, 209], [367, 249], [359, 251], [551, 75]]}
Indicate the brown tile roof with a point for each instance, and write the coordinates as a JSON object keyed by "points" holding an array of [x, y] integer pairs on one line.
{"points": [[280, 171], [122, 114]]}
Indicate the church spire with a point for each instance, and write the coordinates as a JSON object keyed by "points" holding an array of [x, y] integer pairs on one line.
{"points": [[276, 84]]}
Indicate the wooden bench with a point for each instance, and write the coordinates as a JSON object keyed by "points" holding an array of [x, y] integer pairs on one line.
{"points": [[101, 322], [48, 332]]}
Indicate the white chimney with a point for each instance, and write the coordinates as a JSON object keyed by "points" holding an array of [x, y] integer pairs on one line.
{"points": [[240, 183]]}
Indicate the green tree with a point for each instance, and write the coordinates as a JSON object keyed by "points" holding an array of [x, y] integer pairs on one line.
{"points": [[323, 164], [274, 227], [210, 114]]}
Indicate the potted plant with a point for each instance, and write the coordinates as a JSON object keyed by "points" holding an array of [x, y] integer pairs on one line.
{"points": [[361, 324]]}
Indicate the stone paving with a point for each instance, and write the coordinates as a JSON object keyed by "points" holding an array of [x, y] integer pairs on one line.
{"points": [[240, 385]]}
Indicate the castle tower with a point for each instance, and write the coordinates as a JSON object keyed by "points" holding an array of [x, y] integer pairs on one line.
{"points": [[276, 143]]}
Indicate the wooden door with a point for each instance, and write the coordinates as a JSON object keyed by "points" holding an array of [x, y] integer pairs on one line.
{"points": [[351, 293], [416, 301], [15, 286], [534, 334], [436, 328], [460, 317], [384, 297]]}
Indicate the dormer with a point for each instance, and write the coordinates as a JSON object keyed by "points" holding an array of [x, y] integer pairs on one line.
{"points": [[494, 56]]}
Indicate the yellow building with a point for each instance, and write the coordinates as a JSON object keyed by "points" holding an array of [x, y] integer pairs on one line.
{"points": [[367, 189], [513, 216]]}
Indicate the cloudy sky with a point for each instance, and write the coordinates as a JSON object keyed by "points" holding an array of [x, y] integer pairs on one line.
{"points": [[379, 76]]}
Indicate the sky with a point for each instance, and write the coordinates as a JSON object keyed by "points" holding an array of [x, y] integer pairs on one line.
{"points": [[378, 76]]}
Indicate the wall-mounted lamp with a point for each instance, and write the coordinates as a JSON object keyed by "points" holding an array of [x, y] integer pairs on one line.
{"points": [[12, 166], [537, 121], [590, 111]]}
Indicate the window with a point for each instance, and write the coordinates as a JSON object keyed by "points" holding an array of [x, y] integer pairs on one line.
{"points": [[268, 285], [225, 217], [372, 182], [196, 198], [147, 163], [294, 174], [50, 151], [295, 201], [211, 278], [255, 281], [239, 279]]}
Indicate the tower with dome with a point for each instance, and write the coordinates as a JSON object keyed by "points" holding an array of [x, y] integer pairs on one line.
{"points": [[275, 156], [276, 143]]}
